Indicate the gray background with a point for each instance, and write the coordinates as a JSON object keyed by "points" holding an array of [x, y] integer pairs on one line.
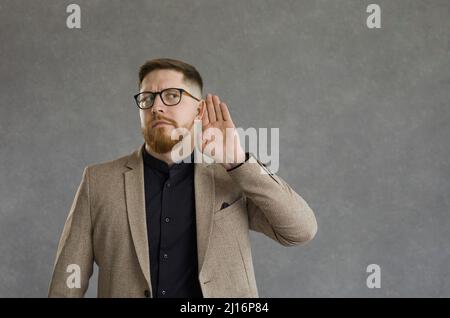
{"points": [[364, 121]]}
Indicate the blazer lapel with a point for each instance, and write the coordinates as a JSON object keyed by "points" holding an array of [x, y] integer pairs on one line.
{"points": [[135, 202], [204, 205]]}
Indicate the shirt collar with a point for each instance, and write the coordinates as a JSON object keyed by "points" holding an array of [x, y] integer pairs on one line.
{"points": [[162, 166]]}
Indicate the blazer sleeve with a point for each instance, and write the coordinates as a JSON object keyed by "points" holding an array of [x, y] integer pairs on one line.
{"points": [[75, 253], [273, 207]]}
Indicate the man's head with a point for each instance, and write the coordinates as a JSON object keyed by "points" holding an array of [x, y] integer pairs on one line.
{"points": [[157, 75]]}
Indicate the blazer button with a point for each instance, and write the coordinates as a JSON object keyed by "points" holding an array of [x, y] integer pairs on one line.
{"points": [[147, 293]]}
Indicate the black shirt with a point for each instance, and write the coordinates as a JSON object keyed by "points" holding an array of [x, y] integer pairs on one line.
{"points": [[171, 227]]}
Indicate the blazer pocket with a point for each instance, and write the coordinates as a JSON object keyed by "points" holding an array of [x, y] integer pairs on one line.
{"points": [[236, 205]]}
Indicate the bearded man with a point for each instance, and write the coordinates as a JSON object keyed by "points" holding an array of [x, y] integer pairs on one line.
{"points": [[158, 226]]}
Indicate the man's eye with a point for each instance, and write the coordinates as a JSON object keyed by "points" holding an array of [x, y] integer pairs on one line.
{"points": [[172, 95]]}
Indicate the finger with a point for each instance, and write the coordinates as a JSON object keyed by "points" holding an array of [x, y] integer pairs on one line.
{"points": [[225, 113], [216, 102], [210, 108]]}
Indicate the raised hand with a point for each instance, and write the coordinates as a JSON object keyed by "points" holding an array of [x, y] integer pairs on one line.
{"points": [[220, 139]]}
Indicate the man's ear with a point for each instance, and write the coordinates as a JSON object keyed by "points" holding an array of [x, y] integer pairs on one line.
{"points": [[201, 109]]}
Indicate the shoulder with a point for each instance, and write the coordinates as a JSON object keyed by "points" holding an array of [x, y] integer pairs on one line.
{"points": [[111, 168]]}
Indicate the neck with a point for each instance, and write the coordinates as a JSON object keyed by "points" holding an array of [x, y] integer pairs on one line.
{"points": [[166, 157]]}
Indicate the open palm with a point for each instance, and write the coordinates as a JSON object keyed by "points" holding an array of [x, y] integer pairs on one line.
{"points": [[220, 138]]}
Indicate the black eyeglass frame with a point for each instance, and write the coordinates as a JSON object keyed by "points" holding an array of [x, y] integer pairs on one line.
{"points": [[181, 90]]}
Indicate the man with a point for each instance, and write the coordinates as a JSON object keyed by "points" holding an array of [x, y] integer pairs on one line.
{"points": [[160, 227]]}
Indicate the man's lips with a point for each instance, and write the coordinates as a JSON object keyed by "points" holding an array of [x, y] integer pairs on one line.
{"points": [[160, 122]]}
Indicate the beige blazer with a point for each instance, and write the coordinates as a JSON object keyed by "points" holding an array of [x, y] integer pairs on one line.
{"points": [[107, 225]]}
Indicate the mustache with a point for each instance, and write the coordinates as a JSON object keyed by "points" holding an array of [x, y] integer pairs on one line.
{"points": [[162, 118]]}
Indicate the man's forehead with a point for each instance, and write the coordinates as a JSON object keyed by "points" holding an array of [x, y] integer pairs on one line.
{"points": [[161, 79]]}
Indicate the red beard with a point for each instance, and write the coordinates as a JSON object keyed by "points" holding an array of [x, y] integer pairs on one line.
{"points": [[158, 138]]}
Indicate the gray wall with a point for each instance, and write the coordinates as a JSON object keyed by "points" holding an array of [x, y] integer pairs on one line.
{"points": [[364, 120]]}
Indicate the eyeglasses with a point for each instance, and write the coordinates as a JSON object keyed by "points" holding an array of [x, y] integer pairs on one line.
{"points": [[169, 96]]}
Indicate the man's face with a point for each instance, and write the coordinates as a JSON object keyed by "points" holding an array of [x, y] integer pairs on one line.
{"points": [[158, 138]]}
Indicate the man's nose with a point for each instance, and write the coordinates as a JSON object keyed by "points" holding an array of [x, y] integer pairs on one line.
{"points": [[158, 105]]}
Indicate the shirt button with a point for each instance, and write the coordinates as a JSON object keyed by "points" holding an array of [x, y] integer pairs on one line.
{"points": [[166, 256], [168, 185], [167, 220], [147, 293], [163, 292]]}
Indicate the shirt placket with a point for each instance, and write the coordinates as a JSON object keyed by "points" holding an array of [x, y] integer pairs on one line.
{"points": [[166, 220]]}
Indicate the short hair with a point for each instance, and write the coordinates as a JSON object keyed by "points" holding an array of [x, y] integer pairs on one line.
{"points": [[190, 73]]}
